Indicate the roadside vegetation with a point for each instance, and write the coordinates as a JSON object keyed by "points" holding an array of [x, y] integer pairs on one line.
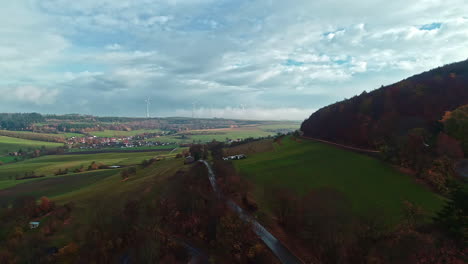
{"points": [[335, 206]]}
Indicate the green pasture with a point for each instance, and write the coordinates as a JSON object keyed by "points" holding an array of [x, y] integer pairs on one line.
{"points": [[11, 144], [48, 165], [368, 183]]}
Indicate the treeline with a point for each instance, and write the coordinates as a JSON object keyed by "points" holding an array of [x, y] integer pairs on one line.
{"points": [[415, 123], [19, 121]]}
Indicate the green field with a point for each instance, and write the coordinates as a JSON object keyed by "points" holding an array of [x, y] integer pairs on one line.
{"points": [[69, 135], [92, 193], [115, 189], [10, 144], [367, 182], [54, 186], [6, 159], [208, 135], [116, 133], [166, 147], [48, 165]]}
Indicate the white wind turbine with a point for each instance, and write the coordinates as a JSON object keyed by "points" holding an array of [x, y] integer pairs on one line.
{"points": [[148, 102]]}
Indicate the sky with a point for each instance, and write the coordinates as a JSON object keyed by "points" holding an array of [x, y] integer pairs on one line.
{"points": [[247, 59]]}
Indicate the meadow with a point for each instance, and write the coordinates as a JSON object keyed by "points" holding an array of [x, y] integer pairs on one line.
{"points": [[48, 165], [223, 134], [94, 194], [11, 144], [54, 186], [116, 149], [370, 185]]}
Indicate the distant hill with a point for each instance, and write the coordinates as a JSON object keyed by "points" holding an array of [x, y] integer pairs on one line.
{"points": [[392, 111]]}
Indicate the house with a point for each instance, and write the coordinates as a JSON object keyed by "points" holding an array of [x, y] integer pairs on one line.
{"points": [[235, 157], [189, 159], [33, 225]]}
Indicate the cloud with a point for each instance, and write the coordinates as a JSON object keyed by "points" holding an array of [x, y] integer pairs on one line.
{"points": [[114, 46], [255, 113], [30, 94], [105, 57]]}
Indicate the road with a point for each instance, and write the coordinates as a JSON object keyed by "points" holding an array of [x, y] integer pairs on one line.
{"points": [[281, 252]]}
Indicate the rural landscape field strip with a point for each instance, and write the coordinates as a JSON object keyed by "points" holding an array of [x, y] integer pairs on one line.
{"points": [[368, 183], [11, 144], [54, 186], [49, 165]]}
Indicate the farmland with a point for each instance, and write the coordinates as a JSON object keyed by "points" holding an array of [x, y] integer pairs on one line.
{"points": [[304, 166], [223, 134], [9, 144], [48, 165]]}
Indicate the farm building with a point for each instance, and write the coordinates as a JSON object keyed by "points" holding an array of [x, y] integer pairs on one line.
{"points": [[33, 224], [235, 157], [189, 159]]}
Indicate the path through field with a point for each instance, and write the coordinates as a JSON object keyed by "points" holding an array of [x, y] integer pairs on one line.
{"points": [[281, 251]]}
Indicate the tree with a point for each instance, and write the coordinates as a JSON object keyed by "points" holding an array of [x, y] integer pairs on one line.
{"points": [[132, 170], [46, 205], [93, 166], [124, 174], [285, 207], [456, 125], [448, 146], [453, 218], [412, 213]]}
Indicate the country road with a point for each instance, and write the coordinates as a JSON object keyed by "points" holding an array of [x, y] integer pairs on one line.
{"points": [[281, 252]]}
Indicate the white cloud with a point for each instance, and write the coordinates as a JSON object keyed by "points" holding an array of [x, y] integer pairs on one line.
{"points": [[30, 94], [108, 55], [114, 46], [254, 113]]}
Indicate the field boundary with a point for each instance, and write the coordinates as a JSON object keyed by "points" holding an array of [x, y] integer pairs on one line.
{"points": [[113, 151], [371, 152]]}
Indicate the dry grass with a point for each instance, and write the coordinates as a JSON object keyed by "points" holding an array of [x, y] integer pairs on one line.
{"points": [[250, 148]]}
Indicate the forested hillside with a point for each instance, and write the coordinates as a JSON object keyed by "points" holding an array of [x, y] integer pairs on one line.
{"points": [[420, 123], [371, 119]]}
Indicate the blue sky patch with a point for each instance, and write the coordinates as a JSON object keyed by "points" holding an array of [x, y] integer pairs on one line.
{"points": [[431, 26], [290, 62]]}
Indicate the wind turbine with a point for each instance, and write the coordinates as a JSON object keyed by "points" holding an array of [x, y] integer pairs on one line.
{"points": [[193, 109], [148, 102]]}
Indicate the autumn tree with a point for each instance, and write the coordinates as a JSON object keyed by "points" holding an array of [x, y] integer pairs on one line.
{"points": [[285, 207], [46, 205], [448, 146], [453, 218], [456, 125]]}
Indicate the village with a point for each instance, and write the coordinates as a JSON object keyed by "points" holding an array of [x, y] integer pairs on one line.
{"points": [[94, 142]]}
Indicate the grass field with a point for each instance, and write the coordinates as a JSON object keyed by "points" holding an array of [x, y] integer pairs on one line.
{"points": [[218, 134], [54, 186], [7, 159], [368, 183], [97, 194], [48, 165], [10, 144], [166, 147]]}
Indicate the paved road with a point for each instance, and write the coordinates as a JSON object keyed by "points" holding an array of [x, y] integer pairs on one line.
{"points": [[283, 254]]}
